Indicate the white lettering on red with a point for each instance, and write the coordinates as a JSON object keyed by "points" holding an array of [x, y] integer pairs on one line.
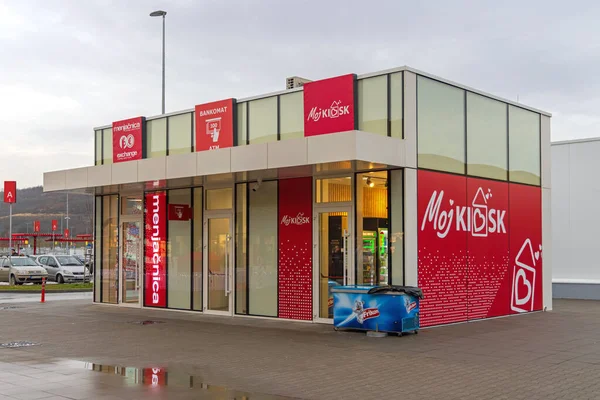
{"points": [[478, 218]]}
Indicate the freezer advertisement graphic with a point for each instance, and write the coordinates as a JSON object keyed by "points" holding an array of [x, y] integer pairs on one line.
{"points": [[382, 312], [479, 244]]}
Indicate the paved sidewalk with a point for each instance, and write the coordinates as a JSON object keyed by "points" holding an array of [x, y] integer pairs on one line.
{"points": [[553, 355]]}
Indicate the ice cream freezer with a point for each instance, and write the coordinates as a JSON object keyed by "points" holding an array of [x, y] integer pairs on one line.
{"points": [[393, 309]]}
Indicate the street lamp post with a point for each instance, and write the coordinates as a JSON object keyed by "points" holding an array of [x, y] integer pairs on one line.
{"points": [[162, 14]]}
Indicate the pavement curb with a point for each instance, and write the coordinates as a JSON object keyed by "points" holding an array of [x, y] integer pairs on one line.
{"points": [[48, 291]]}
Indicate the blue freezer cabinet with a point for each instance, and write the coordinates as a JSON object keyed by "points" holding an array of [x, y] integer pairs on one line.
{"points": [[392, 309]]}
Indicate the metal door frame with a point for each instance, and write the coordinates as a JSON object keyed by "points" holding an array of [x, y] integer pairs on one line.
{"points": [[140, 220], [349, 269], [229, 282]]}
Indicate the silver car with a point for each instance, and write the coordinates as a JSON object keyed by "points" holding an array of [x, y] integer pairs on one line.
{"points": [[64, 269], [20, 269]]}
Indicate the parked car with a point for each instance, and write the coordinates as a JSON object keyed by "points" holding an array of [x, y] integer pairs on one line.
{"points": [[64, 269], [20, 269]]}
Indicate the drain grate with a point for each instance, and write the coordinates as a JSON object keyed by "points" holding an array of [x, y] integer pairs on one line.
{"points": [[18, 344], [8, 307], [147, 322]]}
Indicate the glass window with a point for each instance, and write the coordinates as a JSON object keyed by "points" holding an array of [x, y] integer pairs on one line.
{"points": [[97, 265], [262, 250], [524, 146], [242, 124], [178, 249], [441, 126], [373, 105], [241, 290], [291, 113], [333, 190], [156, 138], [110, 249], [98, 147], [487, 137], [197, 250], [263, 120], [396, 105], [107, 148], [180, 134], [132, 205], [219, 199], [396, 235], [372, 224]]}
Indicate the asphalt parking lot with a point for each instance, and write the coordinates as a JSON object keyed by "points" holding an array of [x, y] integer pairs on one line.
{"points": [[551, 355]]}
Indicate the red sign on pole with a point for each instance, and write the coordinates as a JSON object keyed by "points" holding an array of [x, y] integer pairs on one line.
{"points": [[36, 226], [54, 225], [214, 125], [10, 191], [67, 233]]}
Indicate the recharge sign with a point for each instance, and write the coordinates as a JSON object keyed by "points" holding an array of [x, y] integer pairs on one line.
{"points": [[214, 125], [127, 139]]}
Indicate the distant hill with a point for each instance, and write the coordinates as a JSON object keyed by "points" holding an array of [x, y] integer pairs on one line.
{"points": [[35, 205]]}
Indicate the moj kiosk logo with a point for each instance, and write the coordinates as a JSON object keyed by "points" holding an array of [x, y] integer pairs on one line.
{"points": [[523, 282], [478, 218]]}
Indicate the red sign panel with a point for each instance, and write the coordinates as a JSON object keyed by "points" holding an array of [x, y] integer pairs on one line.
{"points": [[10, 191], [214, 125], [36, 226], [525, 248], [479, 248], [295, 248], [127, 139], [442, 236], [180, 212], [67, 233], [488, 294], [54, 225], [329, 105], [155, 288]]}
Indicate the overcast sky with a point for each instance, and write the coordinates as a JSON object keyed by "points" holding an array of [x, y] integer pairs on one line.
{"points": [[68, 66]]}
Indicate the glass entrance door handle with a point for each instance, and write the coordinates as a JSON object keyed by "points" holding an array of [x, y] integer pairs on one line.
{"points": [[227, 283]]}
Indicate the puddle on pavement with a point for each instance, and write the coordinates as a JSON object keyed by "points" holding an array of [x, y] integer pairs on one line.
{"points": [[159, 377], [18, 344], [147, 322]]}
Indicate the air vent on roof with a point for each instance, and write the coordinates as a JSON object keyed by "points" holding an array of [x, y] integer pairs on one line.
{"points": [[294, 82]]}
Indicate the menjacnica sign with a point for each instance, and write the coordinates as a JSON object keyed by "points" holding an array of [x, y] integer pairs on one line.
{"points": [[155, 246]]}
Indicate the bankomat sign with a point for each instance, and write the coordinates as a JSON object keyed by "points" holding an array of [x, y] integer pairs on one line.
{"points": [[214, 125], [127, 139]]}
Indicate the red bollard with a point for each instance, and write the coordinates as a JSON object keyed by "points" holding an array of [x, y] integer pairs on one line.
{"points": [[43, 300]]}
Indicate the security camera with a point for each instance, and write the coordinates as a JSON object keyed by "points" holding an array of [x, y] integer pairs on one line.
{"points": [[256, 185]]}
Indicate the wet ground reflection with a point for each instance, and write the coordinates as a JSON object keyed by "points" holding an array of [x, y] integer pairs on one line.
{"points": [[159, 377]]}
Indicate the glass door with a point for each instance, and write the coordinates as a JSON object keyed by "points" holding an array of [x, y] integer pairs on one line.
{"points": [[334, 255], [131, 261], [218, 274]]}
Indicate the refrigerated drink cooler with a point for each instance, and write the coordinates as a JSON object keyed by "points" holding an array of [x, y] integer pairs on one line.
{"points": [[392, 309]]}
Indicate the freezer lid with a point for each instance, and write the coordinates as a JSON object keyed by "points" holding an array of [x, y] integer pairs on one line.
{"points": [[351, 289]]}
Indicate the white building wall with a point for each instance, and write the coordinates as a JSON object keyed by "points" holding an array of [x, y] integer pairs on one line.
{"points": [[576, 219]]}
